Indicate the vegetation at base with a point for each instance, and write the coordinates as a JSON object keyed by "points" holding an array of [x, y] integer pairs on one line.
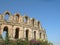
{"points": [[24, 42], [0, 37]]}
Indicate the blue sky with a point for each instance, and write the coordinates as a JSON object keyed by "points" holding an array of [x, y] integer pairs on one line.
{"points": [[46, 11]]}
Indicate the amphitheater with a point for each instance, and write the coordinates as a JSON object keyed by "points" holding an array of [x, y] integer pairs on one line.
{"points": [[21, 27]]}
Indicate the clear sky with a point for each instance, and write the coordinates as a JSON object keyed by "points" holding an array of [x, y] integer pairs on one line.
{"points": [[46, 11]]}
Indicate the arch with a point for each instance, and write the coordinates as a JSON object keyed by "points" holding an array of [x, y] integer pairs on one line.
{"points": [[5, 29], [17, 15], [25, 19], [40, 35], [27, 34], [35, 35], [6, 16], [16, 33], [32, 21], [7, 12], [38, 24]]}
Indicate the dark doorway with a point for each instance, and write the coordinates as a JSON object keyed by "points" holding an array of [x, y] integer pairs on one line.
{"points": [[40, 35], [27, 33], [17, 33], [5, 30], [35, 35], [44, 36]]}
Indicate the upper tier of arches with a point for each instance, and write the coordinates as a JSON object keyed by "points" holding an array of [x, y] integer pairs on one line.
{"points": [[7, 16]]}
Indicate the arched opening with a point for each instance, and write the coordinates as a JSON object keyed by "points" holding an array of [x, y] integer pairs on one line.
{"points": [[17, 17], [5, 32], [16, 33], [32, 22], [6, 16], [35, 35], [27, 33], [44, 36], [38, 24], [25, 19], [40, 35]]}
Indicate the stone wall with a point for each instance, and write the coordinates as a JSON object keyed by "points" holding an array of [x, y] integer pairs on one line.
{"points": [[21, 27]]}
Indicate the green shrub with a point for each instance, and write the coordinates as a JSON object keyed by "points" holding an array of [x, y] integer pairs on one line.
{"points": [[25, 42]]}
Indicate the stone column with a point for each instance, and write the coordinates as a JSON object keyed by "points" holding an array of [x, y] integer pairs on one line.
{"points": [[22, 19], [24, 34], [11, 18], [32, 34], [21, 33], [28, 21], [37, 34], [0, 17], [2, 29], [13, 33], [14, 18], [42, 36]]}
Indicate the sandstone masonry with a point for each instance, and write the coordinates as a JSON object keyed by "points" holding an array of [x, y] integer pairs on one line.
{"points": [[21, 27]]}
